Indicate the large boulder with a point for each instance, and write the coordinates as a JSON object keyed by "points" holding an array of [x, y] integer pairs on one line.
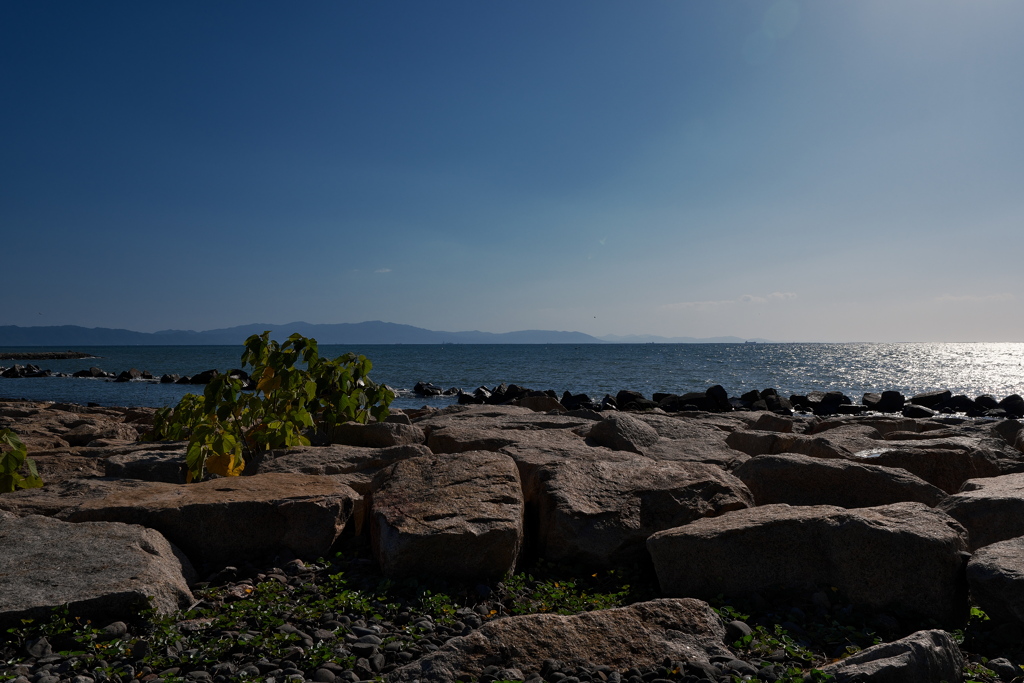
{"points": [[622, 432], [771, 443], [922, 657], [62, 498], [905, 556], [456, 516], [101, 570], [84, 434], [600, 511], [946, 463], [377, 434], [995, 575], [155, 464], [360, 468], [643, 635], [231, 519], [803, 480], [693, 439], [990, 509]]}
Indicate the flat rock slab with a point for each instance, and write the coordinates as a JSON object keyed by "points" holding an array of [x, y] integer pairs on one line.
{"points": [[377, 434], [756, 442], [359, 466], [461, 429], [148, 464], [904, 557], [102, 570], [599, 512], [991, 509], [223, 521], [61, 499], [643, 635], [689, 439], [804, 480], [456, 516], [946, 463], [996, 577], [922, 657]]}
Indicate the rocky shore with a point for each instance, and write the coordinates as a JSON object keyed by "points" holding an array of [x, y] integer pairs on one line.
{"points": [[43, 355], [757, 545]]}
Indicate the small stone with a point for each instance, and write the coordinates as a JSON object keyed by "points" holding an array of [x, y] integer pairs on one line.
{"points": [[736, 629], [324, 676], [1004, 668], [114, 630], [38, 648]]}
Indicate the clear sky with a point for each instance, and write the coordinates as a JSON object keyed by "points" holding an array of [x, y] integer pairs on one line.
{"points": [[805, 170]]}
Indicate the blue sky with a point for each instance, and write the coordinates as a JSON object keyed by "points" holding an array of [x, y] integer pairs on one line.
{"points": [[790, 169]]}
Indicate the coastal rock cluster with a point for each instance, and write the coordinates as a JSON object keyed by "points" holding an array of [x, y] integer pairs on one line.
{"points": [[911, 519], [716, 399], [133, 375]]}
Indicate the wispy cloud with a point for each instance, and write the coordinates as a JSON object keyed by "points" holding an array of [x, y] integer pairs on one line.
{"points": [[745, 299], [383, 270]]}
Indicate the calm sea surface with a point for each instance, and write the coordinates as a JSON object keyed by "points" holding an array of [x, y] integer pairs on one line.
{"points": [[596, 369]]}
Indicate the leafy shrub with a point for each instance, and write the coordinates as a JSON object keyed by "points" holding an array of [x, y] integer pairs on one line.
{"points": [[11, 462], [296, 391]]}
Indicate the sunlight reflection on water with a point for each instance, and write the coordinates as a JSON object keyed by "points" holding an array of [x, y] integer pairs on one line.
{"points": [[597, 369]]}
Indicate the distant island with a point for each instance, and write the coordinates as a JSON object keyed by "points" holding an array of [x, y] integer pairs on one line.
{"points": [[370, 332]]}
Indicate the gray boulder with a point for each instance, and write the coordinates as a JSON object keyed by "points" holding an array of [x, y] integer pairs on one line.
{"points": [[946, 463], [803, 480], [693, 439], [643, 634], [357, 467], [922, 657], [990, 509], [62, 498], [101, 570], [148, 465], [905, 556], [621, 432], [377, 434], [772, 443], [540, 404], [601, 511], [457, 516], [227, 520], [995, 575]]}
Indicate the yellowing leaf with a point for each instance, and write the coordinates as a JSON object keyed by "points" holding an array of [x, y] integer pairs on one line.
{"points": [[269, 381], [225, 464]]}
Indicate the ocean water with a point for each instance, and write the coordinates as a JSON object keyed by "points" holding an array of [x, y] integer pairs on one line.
{"points": [[596, 369]]}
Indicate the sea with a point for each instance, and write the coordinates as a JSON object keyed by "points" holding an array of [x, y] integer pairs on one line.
{"points": [[972, 369]]}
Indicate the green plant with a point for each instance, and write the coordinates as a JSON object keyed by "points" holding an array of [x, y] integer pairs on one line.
{"points": [[12, 460], [296, 391]]}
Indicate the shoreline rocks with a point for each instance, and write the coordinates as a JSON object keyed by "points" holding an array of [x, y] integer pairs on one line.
{"points": [[724, 503]]}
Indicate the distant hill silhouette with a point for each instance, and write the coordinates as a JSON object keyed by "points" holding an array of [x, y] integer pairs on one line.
{"points": [[371, 332]]}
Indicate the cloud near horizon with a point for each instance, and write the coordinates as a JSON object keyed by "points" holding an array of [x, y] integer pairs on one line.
{"points": [[745, 299]]}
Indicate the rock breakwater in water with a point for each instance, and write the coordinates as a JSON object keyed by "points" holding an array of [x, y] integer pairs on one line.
{"points": [[717, 400], [812, 518], [43, 355]]}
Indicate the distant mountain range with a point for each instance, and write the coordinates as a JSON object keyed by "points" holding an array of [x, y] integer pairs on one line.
{"points": [[371, 332]]}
